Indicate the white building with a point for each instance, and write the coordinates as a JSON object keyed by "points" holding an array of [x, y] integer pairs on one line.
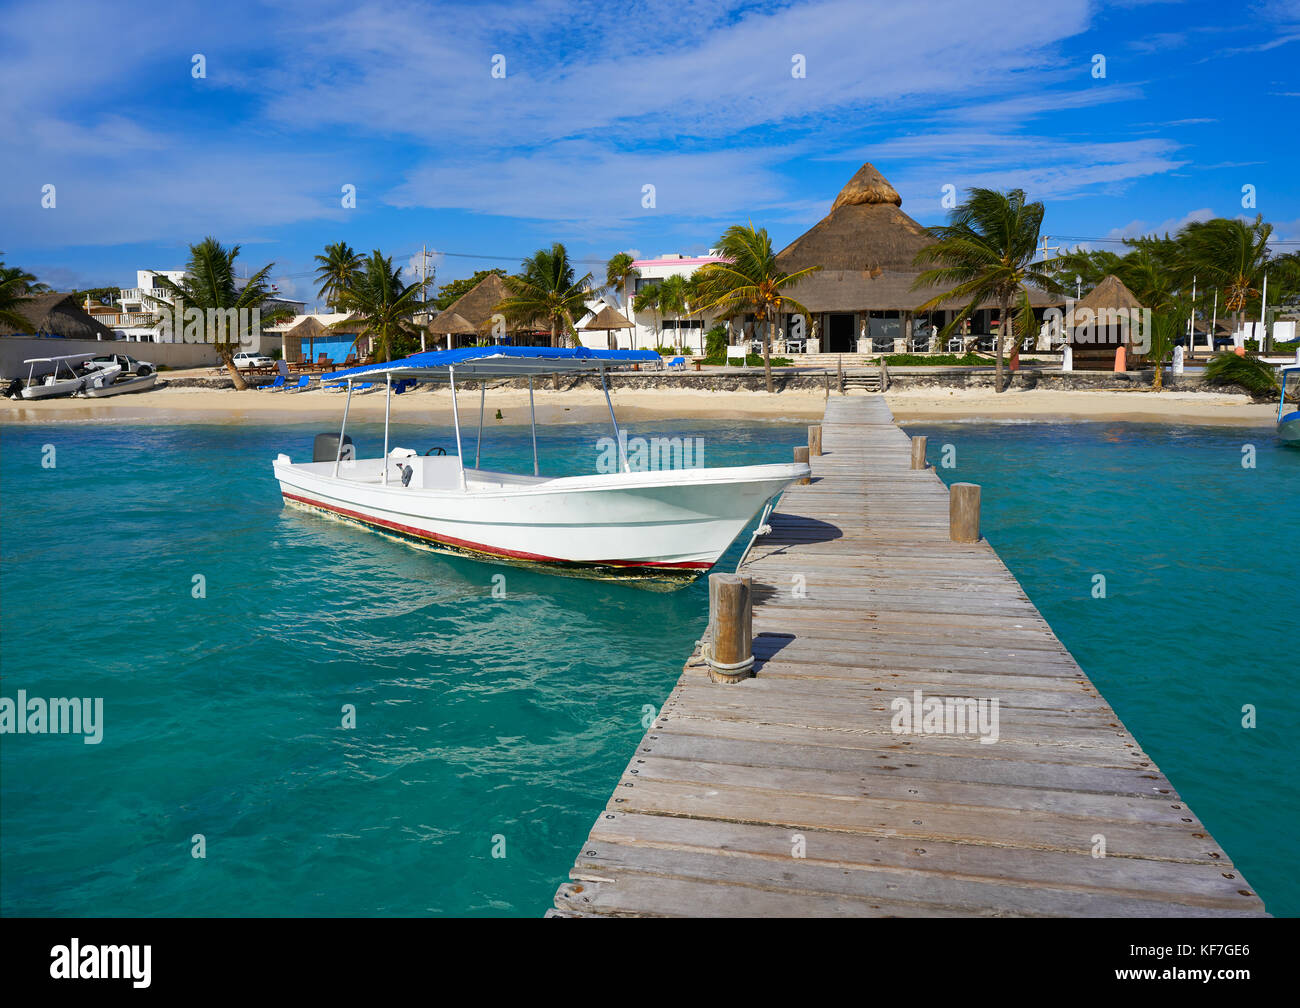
{"points": [[651, 330], [137, 306]]}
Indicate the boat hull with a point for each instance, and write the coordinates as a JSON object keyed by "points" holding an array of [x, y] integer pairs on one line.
{"points": [[123, 386], [659, 529], [1288, 429]]}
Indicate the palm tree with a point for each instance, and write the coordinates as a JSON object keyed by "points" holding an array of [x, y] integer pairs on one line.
{"points": [[1229, 255], [385, 305], [619, 272], [545, 289], [749, 281], [647, 300], [1249, 373], [16, 286], [674, 300], [233, 312], [986, 251], [338, 267]]}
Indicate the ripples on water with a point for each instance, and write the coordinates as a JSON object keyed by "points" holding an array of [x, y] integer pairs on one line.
{"points": [[476, 716], [1200, 616]]}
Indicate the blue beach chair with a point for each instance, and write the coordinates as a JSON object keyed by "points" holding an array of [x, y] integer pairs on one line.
{"points": [[678, 362], [303, 383], [275, 386]]}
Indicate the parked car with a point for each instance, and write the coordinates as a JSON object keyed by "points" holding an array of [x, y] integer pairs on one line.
{"points": [[247, 359], [129, 364]]}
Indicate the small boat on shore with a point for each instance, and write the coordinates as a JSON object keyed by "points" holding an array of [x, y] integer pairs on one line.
{"points": [[123, 385], [658, 528], [1288, 424], [68, 375]]}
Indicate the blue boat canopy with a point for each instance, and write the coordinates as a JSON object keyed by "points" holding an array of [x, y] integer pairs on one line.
{"points": [[499, 362]]}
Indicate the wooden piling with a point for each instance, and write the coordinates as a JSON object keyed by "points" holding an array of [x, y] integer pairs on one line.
{"points": [[801, 455], [964, 512], [918, 452], [814, 440], [731, 628]]}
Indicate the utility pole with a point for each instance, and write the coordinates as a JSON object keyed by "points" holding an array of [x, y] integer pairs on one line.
{"points": [[427, 274]]}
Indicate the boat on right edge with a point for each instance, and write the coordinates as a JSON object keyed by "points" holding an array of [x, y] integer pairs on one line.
{"points": [[1288, 424]]}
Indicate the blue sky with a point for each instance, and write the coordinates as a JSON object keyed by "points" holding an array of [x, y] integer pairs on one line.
{"points": [[697, 99]]}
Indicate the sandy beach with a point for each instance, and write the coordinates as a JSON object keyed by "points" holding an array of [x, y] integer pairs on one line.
{"points": [[203, 405], [1212, 409]]}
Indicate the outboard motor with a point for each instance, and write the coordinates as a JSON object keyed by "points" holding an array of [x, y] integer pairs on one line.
{"points": [[326, 448], [14, 389]]}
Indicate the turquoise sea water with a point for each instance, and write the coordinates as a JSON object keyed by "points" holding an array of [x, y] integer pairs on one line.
{"points": [[482, 720], [478, 719], [1201, 615]]}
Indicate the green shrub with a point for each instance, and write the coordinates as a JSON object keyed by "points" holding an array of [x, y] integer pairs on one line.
{"points": [[715, 342]]}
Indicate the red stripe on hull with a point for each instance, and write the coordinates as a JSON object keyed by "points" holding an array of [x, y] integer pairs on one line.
{"points": [[492, 551]]}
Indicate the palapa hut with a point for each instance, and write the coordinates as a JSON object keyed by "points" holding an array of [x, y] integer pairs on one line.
{"points": [[1105, 318], [470, 317], [608, 319], [60, 316], [862, 298], [337, 335]]}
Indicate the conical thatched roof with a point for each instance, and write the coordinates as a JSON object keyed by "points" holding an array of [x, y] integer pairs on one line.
{"points": [[450, 323], [310, 328], [1109, 295], [608, 318], [867, 186], [60, 315], [865, 231], [477, 305]]}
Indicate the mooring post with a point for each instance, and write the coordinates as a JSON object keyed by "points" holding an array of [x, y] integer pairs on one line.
{"points": [[918, 452], [730, 655], [814, 440], [801, 455], [964, 512]]}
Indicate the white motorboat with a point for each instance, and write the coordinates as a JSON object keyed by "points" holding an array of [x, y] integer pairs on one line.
{"points": [[122, 385], [658, 528], [68, 374], [1288, 424]]}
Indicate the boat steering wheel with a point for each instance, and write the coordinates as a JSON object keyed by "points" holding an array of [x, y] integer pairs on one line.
{"points": [[436, 451]]}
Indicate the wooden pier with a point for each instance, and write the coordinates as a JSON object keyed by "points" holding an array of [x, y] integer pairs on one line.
{"points": [[790, 794]]}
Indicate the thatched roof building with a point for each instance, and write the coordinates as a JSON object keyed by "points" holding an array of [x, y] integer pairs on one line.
{"points": [[1102, 321], [867, 247], [60, 315], [1111, 295]]}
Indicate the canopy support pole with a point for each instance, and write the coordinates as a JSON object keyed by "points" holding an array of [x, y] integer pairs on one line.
{"points": [[338, 452], [478, 445], [618, 438], [532, 412], [455, 417], [388, 405]]}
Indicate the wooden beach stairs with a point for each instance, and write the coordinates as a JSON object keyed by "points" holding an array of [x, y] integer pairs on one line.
{"points": [[788, 794]]}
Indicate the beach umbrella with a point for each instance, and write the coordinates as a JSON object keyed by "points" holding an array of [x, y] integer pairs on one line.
{"points": [[449, 324], [609, 319]]}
